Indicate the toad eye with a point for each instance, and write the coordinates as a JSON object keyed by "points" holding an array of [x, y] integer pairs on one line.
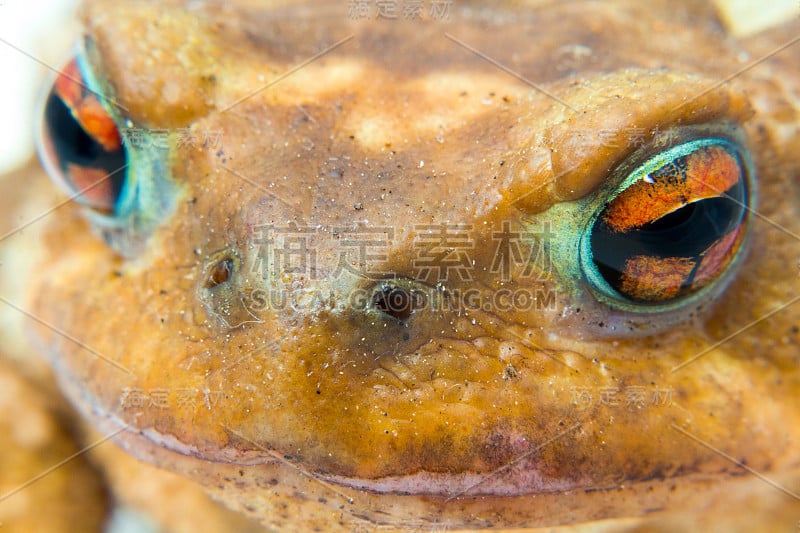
{"points": [[671, 230], [79, 143]]}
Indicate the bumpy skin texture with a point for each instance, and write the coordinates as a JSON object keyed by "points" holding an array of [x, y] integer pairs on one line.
{"points": [[328, 413], [34, 438]]}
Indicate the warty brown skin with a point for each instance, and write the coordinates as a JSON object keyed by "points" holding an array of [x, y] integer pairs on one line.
{"points": [[304, 417]]}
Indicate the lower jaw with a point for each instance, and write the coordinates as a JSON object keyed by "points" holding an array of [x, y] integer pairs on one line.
{"points": [[265, 488]]}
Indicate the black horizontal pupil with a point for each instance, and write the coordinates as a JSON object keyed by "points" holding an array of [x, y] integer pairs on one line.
{"points": [[73, 146], [671, 221], [687, 233], [72, 143]]}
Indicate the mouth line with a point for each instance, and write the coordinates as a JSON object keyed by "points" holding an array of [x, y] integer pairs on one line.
{"points": [[519, 477], [506, 482]]}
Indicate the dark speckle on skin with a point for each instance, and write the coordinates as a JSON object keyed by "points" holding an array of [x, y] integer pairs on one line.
{"points": [[405, 129]]}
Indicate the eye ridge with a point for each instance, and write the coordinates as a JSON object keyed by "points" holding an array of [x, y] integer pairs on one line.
{"points": [[665, 238]]}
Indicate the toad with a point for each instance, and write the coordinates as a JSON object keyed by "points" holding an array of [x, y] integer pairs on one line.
{"points": [[478, 267]]}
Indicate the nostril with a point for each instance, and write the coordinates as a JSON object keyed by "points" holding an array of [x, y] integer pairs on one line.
{"points": [[220, 273], [395, 302]]}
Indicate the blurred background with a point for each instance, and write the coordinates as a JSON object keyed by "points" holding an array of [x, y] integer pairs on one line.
{"points": [[44, 30]]}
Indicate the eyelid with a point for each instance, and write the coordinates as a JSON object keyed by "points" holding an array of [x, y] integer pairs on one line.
{"points": [[607, 317], [582, 147]]}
